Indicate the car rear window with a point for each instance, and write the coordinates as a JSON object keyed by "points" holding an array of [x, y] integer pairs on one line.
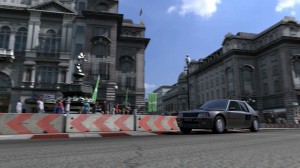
{"points": [[244, 107]]}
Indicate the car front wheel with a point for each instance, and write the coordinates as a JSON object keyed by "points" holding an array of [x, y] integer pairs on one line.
{"points": [[219, 125], [185, 130], [254, 127]]}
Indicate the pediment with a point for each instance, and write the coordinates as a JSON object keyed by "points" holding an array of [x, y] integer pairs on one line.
{"points": [[52, 6]]}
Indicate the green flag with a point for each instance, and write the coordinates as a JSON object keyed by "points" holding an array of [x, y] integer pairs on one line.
{"points": [[95, 94], [126, 98], [152, 100]]}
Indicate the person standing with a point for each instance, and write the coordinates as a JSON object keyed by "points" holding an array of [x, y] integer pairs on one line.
{"points": [[58, 109], [85, 107], [40, 106], [19, 106]]}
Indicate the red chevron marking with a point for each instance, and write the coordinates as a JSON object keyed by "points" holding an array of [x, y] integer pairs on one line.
{"points": [[143, 123], [120, 123], [45, 123], [158, 124], [17, 124], [77, 123], [100, 123], [171, 123]]}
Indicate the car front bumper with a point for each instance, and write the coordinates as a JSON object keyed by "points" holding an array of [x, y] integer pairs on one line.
{"points": [[195, 123]]}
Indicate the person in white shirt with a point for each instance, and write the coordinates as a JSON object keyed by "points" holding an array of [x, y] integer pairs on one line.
{"points": [[40, 107], [19, 106]]}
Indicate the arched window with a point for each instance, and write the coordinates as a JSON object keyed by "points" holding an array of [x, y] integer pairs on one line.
{"points": [[247, 71], [230, 81], [50, 42], [126, 64], [21, 39], [4, 37]]}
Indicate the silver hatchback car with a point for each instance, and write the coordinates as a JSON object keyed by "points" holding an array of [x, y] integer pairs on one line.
{"points": [[219, 115]]}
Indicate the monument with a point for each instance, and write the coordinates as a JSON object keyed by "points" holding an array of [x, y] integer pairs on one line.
{"points": [[76, 92]]}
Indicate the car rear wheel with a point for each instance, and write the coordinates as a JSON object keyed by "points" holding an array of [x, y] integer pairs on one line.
{"points": [[185, 130], [219, 125], [254, 127]]}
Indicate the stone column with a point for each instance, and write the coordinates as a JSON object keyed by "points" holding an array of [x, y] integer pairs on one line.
{"points": [[33, 69], [33, 30], [66, 36], [12, 39]]}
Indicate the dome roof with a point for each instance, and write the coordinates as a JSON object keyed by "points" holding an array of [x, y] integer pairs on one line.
{"points": [[182, 76]]}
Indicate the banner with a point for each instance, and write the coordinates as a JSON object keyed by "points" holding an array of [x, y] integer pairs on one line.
{"points": [[152, 100], [95, 94]]}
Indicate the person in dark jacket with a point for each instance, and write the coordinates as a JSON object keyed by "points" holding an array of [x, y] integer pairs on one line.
{"points": [[58, 109]]}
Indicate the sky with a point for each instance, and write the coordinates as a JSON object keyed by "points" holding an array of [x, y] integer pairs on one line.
{"points": [[197, 28]]}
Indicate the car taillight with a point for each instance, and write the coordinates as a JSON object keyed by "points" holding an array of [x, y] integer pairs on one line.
{"points": [[203, 115]]}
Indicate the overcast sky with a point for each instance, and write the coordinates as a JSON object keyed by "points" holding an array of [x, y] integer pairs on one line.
{"points": [[197, 28]]}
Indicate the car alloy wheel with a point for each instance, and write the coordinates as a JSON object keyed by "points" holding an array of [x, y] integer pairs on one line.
{"points": [[255, 125], [219, 125]]}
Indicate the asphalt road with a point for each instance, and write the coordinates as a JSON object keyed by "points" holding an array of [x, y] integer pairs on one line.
{"points": [[265, 149]]}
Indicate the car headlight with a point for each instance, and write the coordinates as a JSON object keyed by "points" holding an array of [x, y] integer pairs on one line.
{"points": [[203, 115]]}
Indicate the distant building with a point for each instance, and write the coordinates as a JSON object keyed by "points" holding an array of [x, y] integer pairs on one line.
{"points": [[45, 37], [175, 99], [161, 91]]}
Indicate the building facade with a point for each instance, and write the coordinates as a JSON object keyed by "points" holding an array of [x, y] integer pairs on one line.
{"points": [[45, 37], [175, 99], [262, 69], [161, 92]]}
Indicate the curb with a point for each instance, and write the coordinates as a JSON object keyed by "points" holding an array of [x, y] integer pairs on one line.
{"points": [[84, 135]]}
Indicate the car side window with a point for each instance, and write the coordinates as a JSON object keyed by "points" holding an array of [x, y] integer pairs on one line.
{"points": [[234, 106], [244, 107]]}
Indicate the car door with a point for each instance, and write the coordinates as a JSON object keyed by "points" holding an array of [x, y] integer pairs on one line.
{"points": [[247, 120], [236, 116]]}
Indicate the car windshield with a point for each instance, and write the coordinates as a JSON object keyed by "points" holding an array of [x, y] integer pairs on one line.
{"points": [[214, 105]]}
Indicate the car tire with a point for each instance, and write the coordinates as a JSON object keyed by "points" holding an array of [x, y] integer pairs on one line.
{"points": [[185, 130], [254, 126], [219, 125]]}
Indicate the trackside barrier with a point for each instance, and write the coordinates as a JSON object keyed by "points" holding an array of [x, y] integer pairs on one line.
{"points": [[99, 123], [156, 123], [31, 123]]}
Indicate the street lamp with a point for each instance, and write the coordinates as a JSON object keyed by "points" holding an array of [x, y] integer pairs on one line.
{"points": [[188, 61]]}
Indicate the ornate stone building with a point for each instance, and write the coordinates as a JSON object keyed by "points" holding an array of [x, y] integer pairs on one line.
{"points": [[45, 37], [260, 68]]}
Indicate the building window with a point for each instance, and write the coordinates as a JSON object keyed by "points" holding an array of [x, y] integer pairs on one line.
{"points": [[100, 50], [21, 39], [50, 43], [130, 83], [230, 82], [275, 70], [266, 88], [277, 87], [81, 6], [28, 75], [248, 79], [126, 67], [80, 29], [46, 74], [4, 37], [78, 49]]}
